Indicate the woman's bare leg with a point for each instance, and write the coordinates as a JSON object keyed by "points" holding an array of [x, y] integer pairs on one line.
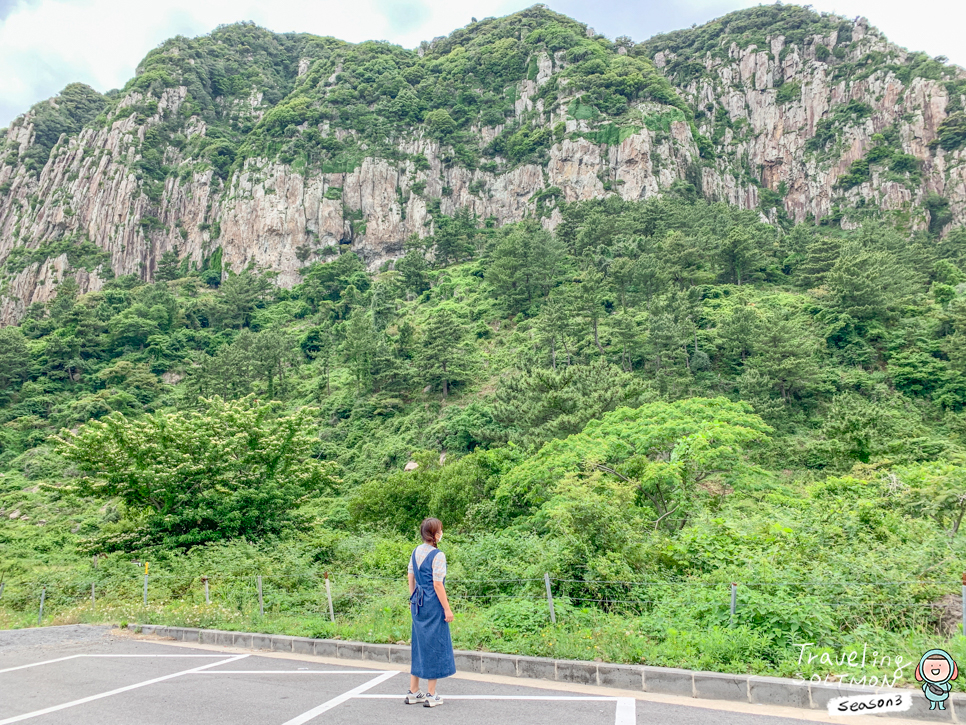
{"points": [[431, 687], [413, 684]]}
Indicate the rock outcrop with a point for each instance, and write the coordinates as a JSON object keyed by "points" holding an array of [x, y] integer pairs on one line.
{"points": [[773, 136], [95, 193]]}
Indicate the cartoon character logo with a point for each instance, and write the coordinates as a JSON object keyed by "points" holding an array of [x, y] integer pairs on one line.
{"points": [[935, 670]]}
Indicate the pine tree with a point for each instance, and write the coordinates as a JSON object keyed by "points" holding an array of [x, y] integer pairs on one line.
{"points": [[589, 301], [510, 272], [787, 356], [445, 359], [622, 275], [359, 347], [625, 330], [553, 327], [740, 257], [738, 334], [866, 285], [14, 357], [168, 267], [413, 269], [820, 256]]}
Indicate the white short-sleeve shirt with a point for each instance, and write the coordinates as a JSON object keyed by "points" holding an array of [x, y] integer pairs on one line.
{"points": [[439, 563]]}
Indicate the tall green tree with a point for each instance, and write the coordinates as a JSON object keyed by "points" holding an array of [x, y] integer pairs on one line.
{"points": [[524, 267], [738, 334], [866, 285], [413, 268], [820, 256], [454, 238], [168, 267], [445, 358], [14, 358], [359, 346], [787, 355], [740, 257], [232, 470], [588, 301], [537, 405], [554, 329], [241, 295]]}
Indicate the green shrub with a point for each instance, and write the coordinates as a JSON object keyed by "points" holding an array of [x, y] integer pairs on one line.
{"points": [[231, 471], [789, 92], [952, 132]]}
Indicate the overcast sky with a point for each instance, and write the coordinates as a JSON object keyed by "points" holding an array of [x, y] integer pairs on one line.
{"points": [[46, 44]]}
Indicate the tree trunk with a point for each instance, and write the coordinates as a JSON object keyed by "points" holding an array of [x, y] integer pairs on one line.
{"points": [[596, 340]]}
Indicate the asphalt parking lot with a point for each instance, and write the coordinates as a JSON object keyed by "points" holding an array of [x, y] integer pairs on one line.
{"points": [[93, 675]]}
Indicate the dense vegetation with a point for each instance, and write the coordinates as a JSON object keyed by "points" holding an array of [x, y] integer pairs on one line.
{"points": [[651, 402], [322, 105], [669, 392]]}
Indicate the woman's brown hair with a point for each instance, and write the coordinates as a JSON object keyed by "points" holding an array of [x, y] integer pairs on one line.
{"points": [[428, 530]]}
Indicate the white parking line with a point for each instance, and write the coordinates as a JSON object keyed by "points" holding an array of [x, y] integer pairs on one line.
{"points": [[38, 664], [626, 706], [91, 698], [579, 698], [335, 701], [290, 672], [626, 711], [74, 657]]}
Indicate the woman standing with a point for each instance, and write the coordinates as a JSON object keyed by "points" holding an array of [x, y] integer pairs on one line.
{"points": [[432, 646]]}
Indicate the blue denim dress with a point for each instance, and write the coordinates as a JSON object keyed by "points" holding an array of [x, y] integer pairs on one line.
{"points": [[432, 656]]}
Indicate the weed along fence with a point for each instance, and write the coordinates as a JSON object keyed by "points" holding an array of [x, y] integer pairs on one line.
{"points": [[343, 596]]}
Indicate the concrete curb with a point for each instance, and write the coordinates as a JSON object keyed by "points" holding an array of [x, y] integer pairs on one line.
{"points": [[643, 678]]}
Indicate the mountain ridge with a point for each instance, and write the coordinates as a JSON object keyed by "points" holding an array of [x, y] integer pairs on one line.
{"points": [[249, 147]]}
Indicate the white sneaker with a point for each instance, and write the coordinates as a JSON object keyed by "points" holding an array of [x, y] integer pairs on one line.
{"points": [[433, 701], [415, 699]]}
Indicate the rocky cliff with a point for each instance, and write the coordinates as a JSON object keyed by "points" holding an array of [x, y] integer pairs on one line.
{"points": [[246, 147]]}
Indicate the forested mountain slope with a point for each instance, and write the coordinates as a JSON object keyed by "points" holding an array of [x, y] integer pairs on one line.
{"points": [[278, 327], [246, 145]]}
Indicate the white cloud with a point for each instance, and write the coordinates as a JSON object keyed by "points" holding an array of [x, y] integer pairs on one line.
{"points": [[933, 26]]}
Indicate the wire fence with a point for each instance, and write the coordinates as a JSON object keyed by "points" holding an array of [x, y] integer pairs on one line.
{"points": [[342, 594]]}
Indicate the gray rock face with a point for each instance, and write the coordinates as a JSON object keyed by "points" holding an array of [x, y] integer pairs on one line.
{"points": [[774, 136], [280, 218]]}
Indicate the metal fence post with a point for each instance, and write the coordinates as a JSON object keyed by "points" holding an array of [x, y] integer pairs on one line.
{"points": [[43, 595], [328, 594], [553, 615], [2, 585], [145, 584], [207, 590], [93, 598], [261, 604], [734, 602]]}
